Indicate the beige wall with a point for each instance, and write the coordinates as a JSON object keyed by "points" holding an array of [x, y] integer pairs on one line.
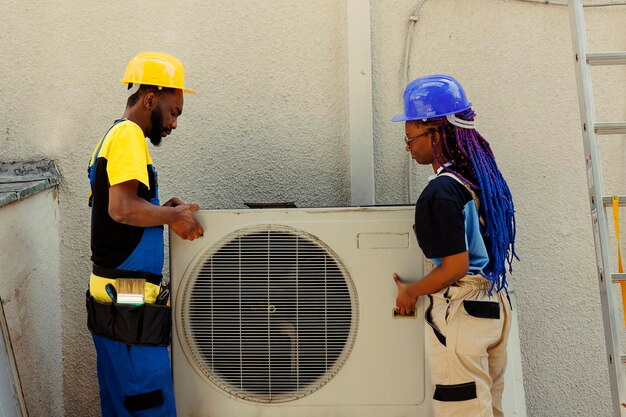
{"points": [[32, 295], [271, 124]]}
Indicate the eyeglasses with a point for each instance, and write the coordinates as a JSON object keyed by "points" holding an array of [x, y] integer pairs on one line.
{"points": [[408, 140]]}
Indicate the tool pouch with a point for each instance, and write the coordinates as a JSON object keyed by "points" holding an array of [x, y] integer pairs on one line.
{"points": [[146, 325]]}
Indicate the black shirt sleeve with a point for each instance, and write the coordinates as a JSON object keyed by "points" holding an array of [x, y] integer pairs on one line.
{"points": [[439, 218]]}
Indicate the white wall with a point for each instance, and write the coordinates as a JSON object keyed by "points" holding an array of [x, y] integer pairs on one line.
{"points": [[30, 288], [271, 124]]}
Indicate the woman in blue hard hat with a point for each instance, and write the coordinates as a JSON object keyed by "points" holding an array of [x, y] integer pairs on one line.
{"points": [[465, 224]]}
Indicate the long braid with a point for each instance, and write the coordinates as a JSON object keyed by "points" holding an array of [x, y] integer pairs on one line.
{"points": [[475, 165]]}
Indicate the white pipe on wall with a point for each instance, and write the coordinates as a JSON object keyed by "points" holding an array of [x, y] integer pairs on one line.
{"points": [[360, 106]]}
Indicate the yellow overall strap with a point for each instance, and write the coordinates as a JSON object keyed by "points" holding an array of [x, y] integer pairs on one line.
{"points": [[620, 265]]}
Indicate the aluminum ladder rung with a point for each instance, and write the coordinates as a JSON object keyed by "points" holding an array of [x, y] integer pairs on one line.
{"points": [[607, 201], [610, 128], [606, 58], [618, 278]]}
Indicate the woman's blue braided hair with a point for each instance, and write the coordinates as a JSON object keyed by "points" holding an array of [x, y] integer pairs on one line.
{"points": [[475, 165]]}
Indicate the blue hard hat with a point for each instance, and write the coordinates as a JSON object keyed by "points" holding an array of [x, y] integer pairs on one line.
{"points": [[432, 96]]}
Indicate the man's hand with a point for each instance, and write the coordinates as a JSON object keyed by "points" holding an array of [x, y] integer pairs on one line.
{"points": [[173, 202], [405, 302], [185, 224]]}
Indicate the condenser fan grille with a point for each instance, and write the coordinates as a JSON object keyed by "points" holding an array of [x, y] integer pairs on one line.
{"points": [[269, 314]]}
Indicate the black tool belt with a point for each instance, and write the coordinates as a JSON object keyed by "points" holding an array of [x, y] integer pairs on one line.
{"points": [[147, 324]]}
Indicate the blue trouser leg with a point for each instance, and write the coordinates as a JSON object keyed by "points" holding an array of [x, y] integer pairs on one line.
{"points": [[106, 401], [135, 381]]}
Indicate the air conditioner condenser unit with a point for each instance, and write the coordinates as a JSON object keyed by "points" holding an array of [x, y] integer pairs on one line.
{"points": [[289, 312]]}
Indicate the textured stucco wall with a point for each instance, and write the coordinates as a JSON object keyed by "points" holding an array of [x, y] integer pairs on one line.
{"points": [[271, 124], [515, 62], [31, 296]]}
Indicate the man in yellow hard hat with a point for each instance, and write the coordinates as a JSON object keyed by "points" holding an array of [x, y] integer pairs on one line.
{"points": [[128, 309]]}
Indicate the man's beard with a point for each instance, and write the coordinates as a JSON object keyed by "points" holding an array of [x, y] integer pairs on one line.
{"points": [[156, 133]]}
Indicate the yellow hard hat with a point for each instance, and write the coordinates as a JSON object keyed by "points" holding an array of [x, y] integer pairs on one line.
{"points": [[156, 68]]}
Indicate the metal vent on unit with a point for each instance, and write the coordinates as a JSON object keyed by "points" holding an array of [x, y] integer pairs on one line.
{"points": [[269, 314]]}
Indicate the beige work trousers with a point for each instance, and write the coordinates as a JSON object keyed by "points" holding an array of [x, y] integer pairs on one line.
{"points": [[467, 348]]}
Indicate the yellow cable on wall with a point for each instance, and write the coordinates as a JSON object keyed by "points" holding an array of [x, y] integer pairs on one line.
{"points": [[620, 265]]}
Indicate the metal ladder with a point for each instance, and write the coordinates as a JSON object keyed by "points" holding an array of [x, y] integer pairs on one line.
{"points": [[598, 202]]}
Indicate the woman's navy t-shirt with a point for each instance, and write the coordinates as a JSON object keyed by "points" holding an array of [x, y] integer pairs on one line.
{"points": [[447, 222]]}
